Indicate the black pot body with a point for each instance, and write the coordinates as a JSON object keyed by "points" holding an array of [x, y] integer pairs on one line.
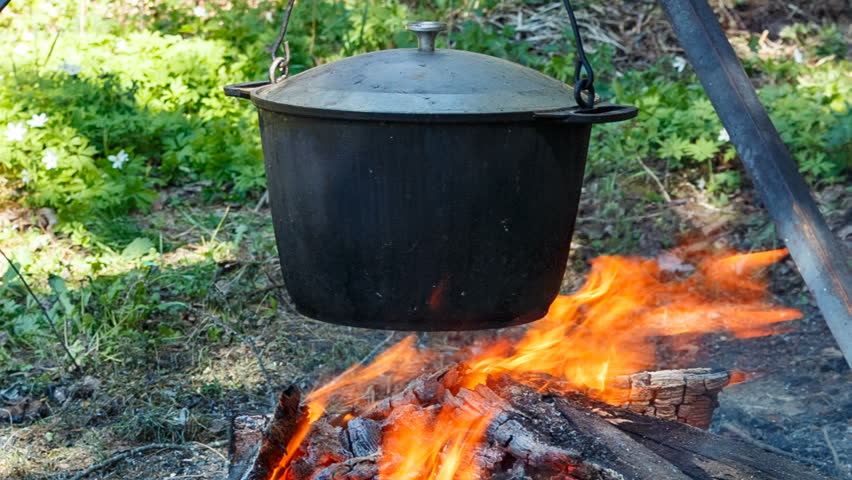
{"points": [[423, 226]]}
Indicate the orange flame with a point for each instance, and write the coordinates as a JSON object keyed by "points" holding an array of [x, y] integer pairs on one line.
{"points": [[399, 364], [422, 445], [605, 329], [739, 376], [313, 412]]}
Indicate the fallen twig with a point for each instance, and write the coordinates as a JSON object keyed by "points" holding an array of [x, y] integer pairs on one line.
{"points": [[264, 290], [656, 180], [834, 455], [263, 199], [212, 448], [121, 456], [133, 451], [44, 312]]}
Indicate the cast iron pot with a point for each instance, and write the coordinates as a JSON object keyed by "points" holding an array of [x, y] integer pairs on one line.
{"points": [[423, 189]]}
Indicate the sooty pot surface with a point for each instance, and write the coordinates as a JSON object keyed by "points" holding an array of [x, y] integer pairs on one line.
{"points": [[395, 226]]}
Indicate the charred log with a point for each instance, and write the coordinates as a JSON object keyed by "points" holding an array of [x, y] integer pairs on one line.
{"points": [[323, 447], [246, 433], [364, 436], [358, 468], [696, 453], [548, 432], [272, 431]]}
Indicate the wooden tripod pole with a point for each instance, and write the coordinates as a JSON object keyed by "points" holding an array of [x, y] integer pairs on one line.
{"points": [[820, 257]]}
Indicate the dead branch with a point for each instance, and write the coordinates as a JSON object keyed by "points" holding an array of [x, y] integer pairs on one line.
{"points": [[134, 451]]}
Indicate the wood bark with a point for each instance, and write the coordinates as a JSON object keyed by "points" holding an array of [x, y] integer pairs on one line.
{"points": [[554, 435]]}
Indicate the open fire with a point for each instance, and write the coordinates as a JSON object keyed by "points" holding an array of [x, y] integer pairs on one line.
{"points": [[606, 330]]}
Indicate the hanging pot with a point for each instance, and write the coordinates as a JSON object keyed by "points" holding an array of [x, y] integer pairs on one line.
{"points": [[423, 189]]}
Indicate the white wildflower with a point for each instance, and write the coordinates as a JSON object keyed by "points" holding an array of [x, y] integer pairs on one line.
{"points": [[679, 63], [38, 120], [21, 49], [121, 45], [798, 56], [69, 68], [28, 36], [25, 176], [15, 132], [268, 16], [723, 136], [199, 11], [50, 159], [119, 159]]}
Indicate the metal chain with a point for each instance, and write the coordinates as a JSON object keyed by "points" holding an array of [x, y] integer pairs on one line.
{"points": [[281, 65], [582, 84]]}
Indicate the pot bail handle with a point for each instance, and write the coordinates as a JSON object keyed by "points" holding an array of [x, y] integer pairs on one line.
{"points": [[281, 64], [426, 33], [584, 76]]}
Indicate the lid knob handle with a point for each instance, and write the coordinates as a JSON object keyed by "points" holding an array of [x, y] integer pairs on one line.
{"points": [[426, 33]]}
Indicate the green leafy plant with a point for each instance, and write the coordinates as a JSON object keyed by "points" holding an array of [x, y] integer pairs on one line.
{"points": [[677, 123]]}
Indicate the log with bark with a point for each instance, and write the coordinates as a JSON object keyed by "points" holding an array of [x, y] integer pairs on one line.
{"points": [[540, 434]]}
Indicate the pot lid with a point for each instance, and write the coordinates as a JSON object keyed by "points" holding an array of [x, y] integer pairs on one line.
{"points": [[417, 84]]}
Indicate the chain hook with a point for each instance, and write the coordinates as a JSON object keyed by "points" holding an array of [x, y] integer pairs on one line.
{"points": [[583, 84], [281, 64]]}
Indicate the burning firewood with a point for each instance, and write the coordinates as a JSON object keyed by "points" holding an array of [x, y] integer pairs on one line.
{"points": [[533, 434]]}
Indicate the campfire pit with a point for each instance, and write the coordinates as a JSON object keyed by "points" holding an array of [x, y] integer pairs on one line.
{"points": [[571, 399], [532, 435]]}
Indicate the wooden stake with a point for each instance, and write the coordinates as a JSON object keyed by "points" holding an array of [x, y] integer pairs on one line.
{"points": [[820, 257]]}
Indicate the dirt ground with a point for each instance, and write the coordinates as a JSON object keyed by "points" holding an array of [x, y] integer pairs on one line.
{"points": [[801, 401]]}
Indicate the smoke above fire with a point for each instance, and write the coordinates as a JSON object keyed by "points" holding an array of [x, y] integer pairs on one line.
{"points": [[608, 328]]}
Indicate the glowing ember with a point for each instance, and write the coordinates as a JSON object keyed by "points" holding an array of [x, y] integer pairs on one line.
{"points": [[604, 330]]}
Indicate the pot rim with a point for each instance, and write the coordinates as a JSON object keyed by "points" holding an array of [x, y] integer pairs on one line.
{"points": [[602, 113]]}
